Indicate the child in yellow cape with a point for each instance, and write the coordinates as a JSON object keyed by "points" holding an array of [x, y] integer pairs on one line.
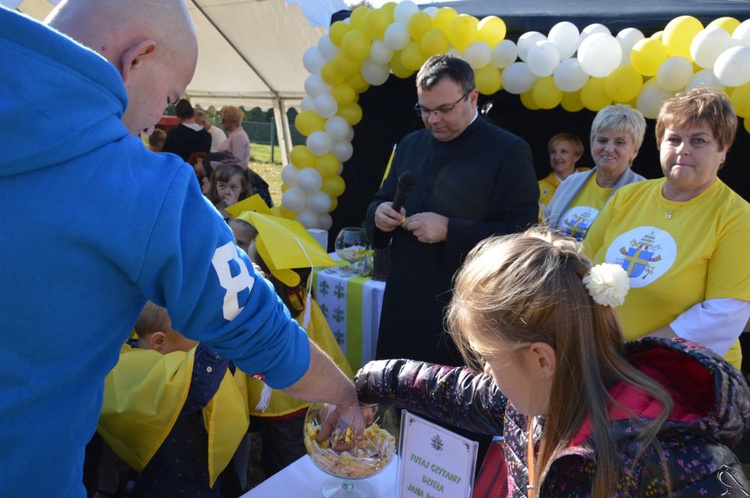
{"points": [[174, 412], [286, 253]]}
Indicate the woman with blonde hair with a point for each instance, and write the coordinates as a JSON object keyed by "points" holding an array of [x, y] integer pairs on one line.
{"points": [[237, 142], [583, 413]]}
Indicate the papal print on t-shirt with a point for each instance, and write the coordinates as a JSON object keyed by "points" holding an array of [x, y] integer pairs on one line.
{"points": [[577, 221], [645, 253]]}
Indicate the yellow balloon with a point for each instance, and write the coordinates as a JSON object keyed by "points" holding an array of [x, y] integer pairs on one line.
{"points": [[412, 56], [334, 204], [358, 82], [389, 7], [290, 215], [443, 18], [358, 18], [398, 68], [488, 79], [623, 84], [344, 94], [377, 22], [344, 64], [741, 100], [593, 95], [334, 186], [658, 35], [434, 42], [491, 30], [728, 24], [337, 31], [352, 113], [527, 99], [308, 122], [463, 31], [571, 101], [419, 23], [647, 55], [546, 94], [327, 165], [301, 156], [331, 74], [679, 34], [356, 44], [284, 187]]}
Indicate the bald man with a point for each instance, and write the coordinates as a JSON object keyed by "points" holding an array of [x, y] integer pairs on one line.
{"points": [[97, 225]]}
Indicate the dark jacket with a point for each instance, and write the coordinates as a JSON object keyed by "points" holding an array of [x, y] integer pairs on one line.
{"points": [[712, 409], [483, 181], [184, 141]]}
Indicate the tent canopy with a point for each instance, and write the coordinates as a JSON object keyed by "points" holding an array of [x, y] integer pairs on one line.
{"points": [[250, 52]]}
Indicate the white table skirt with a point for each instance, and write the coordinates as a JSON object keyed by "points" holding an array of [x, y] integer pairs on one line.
{"points": [[303, 479]]}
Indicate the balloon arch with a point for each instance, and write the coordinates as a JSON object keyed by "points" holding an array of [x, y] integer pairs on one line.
{"points": [[586, 69]]}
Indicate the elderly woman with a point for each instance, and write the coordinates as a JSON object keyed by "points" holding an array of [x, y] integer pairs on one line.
{"points": [[682, 238], [564, 149], [616, 135], [237, 142]]}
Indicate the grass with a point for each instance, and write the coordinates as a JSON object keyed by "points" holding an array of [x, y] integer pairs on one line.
{"points": [[260, 162]]}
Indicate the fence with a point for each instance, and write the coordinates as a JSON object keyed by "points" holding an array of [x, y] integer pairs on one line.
{"points": [[265, 133]]}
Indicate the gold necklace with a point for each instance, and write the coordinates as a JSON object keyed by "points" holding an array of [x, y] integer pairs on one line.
{"points": [[530, 491]]}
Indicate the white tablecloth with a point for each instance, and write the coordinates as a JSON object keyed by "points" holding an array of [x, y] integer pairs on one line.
{"points": [[303, 479], [351, 305]]}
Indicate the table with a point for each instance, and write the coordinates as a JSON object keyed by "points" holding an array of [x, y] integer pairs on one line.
{"points": [[351, 305], [303, 479]]}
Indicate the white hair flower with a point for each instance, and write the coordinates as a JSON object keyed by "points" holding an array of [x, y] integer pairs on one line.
{"points": [[608, 284]]}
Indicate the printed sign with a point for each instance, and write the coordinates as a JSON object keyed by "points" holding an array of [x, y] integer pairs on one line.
{"points": [[434, 462]]}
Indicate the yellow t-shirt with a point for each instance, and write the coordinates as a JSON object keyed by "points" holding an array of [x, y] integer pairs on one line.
{"points": [[584, 209], [677, 254], [548, 186]]}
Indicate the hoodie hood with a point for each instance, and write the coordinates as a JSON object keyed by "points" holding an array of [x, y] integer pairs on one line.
{"points": [[84, 97]]}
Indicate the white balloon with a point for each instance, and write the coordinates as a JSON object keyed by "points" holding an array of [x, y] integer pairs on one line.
{"points": [[741, 34], [314, 86], [708, 44], [374, 73], [518, 78], [674, 73], [325, 105], [289, 175], [565, 36], [599, 54], [313, 60], [307, 103], [309, 180], [325, 221], [396, 36], [456, 51], [478, 54], [327, 48], [343, 150], [651, 98], [319, 202], [293, 199], [380, 53], [543, 58], [319, 143], [707, 78], [526, 41], [404, 11], [569, 77], [628, 37], [593, 29], [308, 218], [337, 128], [504, 54], [732, 67], [349, 134], [431, 11]]}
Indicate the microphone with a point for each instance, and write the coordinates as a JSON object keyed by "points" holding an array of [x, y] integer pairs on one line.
{"points": [[406, 182]]}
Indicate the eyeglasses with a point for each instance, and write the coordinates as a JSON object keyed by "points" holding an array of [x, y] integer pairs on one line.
{"points": [[442, 110]]}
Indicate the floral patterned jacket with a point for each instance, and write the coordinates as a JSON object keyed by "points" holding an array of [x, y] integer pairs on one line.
{"points": [[712, 410]]}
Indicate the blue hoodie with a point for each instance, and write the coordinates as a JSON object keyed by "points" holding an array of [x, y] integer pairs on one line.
{"points": [[94, 226]]}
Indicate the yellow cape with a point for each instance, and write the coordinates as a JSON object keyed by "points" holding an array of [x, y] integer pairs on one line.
{"points": [[281, 403], [143, 396]]}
